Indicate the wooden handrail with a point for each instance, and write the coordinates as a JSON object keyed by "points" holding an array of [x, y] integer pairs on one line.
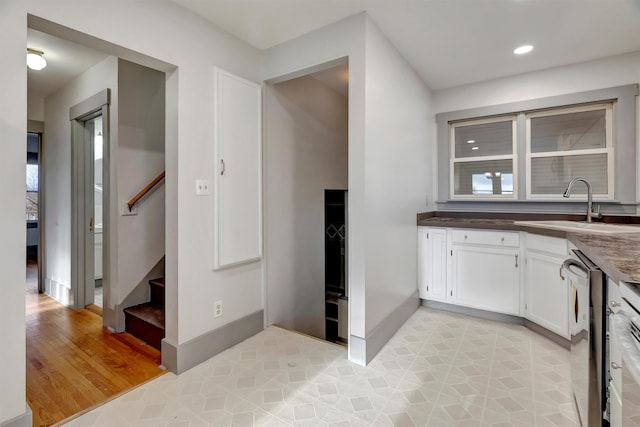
{"points": [[144, 191]]}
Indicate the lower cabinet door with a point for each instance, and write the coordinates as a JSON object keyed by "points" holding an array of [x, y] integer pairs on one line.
{"points": [[546, 293], [432, 263], [486, 278]]}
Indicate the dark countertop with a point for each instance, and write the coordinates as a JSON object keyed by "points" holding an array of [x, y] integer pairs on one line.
{"points": [[617, 255]]}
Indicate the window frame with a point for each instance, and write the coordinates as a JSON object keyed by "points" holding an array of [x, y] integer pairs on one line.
{"points": [[513, 157], [609, 149], [624, 199]]}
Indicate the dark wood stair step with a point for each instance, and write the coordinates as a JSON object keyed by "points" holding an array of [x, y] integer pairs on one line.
{"points": [[146, 322], [157, 282]]}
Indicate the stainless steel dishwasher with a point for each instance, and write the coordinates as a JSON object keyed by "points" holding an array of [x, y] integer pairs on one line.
{"points": [[586, 298]]}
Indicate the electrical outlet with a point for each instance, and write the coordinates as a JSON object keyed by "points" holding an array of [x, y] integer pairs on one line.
{"points": [[202, 187], [217, 309]]}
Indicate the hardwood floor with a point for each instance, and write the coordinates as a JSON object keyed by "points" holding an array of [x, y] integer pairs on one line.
{"points": [[73, 363]]}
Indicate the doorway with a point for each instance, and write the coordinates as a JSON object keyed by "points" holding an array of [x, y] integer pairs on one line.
{"points": [[306, 153], [94, 292], [32, 214], [89, 150]]}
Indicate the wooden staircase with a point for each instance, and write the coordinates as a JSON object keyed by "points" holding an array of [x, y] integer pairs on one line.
{"points": [[146, 321]]}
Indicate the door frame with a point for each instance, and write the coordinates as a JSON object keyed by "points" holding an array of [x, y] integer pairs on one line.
{"points": [[82, 196]]}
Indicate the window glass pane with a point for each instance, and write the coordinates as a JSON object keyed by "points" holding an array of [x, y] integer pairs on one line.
{"points": [[486, 139], [550, 175], [32, 206], [32, 177], [492, 177], [569, 132]]}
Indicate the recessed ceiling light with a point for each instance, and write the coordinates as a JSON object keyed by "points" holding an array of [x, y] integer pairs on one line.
{"points": [[475, 148], [471, 141], [523, 49]]}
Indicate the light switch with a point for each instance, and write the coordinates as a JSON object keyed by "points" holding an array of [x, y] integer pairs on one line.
{"points": [[202, 187]]}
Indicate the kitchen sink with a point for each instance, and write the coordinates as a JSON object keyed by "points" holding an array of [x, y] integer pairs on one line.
{"points": [[584, 227]]}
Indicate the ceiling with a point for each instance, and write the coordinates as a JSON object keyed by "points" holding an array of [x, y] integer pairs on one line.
{"points": [[65, 60], [450, 42]]}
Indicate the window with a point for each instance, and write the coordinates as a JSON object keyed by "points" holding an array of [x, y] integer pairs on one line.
{"points": [[565, 143], [526, 152], [483, 160], [33, 140]]}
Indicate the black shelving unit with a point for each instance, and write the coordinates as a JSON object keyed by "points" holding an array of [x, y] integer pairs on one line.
{"points": [[335, 262]]}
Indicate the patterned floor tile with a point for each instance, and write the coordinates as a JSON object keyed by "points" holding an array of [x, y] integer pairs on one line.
{"points": [[440, 369]]}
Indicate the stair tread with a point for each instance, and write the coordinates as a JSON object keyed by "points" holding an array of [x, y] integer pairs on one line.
{"points": [[157, 282], [150, 313]]}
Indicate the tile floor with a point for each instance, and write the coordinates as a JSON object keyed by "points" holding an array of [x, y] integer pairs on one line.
{"points": [[440, 369]]}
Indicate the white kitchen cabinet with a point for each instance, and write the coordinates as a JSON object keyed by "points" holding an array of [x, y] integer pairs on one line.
{"points": [[237, 170], [432, 263], [484, 271], [546, 293]]}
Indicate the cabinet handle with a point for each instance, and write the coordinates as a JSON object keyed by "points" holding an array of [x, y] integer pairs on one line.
{"points": [[465, 237], [614, 304], [516, 261], [502, 240], [561, 276], [223, 167], [614, 365]]}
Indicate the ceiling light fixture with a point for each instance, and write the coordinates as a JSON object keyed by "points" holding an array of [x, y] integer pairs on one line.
{"points": [[523, 49], [475, 148], [35, 59], [471, 141]]}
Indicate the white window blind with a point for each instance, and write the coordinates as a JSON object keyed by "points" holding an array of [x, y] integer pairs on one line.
{"points": [[566, 143]]}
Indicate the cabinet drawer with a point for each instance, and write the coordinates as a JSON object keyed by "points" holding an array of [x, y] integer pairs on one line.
{"points": [[480, 237], [550, 245]]}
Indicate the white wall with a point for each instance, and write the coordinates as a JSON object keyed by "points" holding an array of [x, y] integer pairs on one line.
{"points": [[140, 158], [342, 39], [35, 107], [148, 30], [398, 127], [13, 122], [390, 124], [614, 71], [599, 74], [57, 171], [166, 32], [305, 152]]}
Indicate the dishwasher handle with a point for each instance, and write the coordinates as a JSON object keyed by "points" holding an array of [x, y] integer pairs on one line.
{"points": [[569, 262]]}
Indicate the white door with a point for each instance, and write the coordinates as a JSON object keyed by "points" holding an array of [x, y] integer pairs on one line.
{"points": [[432, 263], [546, 293], [238, 171]]}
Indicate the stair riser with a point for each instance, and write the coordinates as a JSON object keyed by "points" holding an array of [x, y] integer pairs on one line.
{"points": [[157, 295], [145, 331]]}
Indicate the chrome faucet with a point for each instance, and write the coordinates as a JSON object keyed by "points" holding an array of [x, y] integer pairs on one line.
{"points": [[590, 213]]}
